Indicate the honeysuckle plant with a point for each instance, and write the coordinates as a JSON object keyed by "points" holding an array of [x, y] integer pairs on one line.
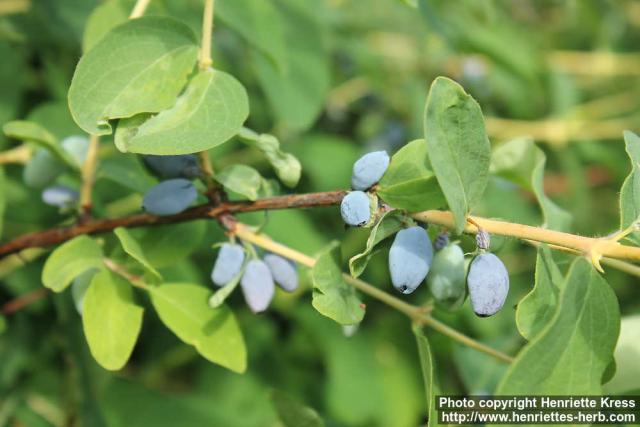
{"points": [[136, 206]]}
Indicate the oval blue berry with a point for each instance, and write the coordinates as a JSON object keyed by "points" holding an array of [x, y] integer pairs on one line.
{"points": [[257, 286], [60, 196], [410, 258], [77, 146], [169, 197], [180, 166], [488, 283], [356, 208], [228, 264], [368, 169], [284, 271], [446, 278]]}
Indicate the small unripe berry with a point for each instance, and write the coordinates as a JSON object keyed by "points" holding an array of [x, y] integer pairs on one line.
{"points": [[446, 279]]}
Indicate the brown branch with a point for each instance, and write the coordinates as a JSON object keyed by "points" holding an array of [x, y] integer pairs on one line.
{"points": [[23, 300], [58, 235]]}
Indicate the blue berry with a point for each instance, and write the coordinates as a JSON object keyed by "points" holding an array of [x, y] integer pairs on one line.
{"points": [[228, 264], [488, 283], [169, 197], [368, 169], [356, 208], [60, 196], [77, 147], [441, 241], [284, 271], [257, 286], [446, 278], [180, 166], [410, 258]]}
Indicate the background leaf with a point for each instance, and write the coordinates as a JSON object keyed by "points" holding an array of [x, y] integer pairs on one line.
{"points": [[286, 165], [294, 414], [70, 260], [409, 182], [155, 55], [522, 162], [241, 179], [211, 110], [427, 364], [35, 134], [106, 16], [110, 319], [459, 149], [571, 354], [332, 297], [630, 191], [213, 332]]}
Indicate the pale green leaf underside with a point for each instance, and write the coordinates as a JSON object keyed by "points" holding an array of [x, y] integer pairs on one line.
{"points": [[210, 111], [409, 182], [70, 260], [294, 414], [537, 308], [111, 320], [241, 179], [389, 224], [133, 248], [570, 355], [286, 165], [459, 149], [214, 333], [138, 67], [630, 191], [332, 297]]}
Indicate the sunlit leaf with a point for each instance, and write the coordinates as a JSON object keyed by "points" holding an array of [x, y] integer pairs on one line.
{"points": [[241, 179], [70, 260], [132, 247]]}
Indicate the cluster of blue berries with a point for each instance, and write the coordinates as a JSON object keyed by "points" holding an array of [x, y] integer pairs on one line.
{"points": [[257, 277], [412, 257], [176, 192]]}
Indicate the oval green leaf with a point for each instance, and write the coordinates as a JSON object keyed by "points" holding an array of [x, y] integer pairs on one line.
{"points": [[70, 260], [459, 149], [133, 248], [210, 111], [138, 67], [110, 319], [214, 333], [241, 179]]}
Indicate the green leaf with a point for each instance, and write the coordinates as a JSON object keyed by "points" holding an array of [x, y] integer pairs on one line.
{"points": [[138, 67], [132, 247], [241, 179], [211, 110], [332, 296], [571, 354], [286, 165], [106, 16], [538, 307], [459, 149], [522, 162], [259, 23], [296, 89], [409, 182], [166, 245], [214, 333], [427, 364], [70, 260], [110, 319], [630, 191], [127, 171], [294, 414], [390, 223], [33, 133]]}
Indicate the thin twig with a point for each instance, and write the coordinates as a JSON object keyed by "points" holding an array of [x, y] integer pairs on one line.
{"points": [[207, 31], [23, 300], [136, 281], [139, 8], [20, 155], [417, 314], [88, 176]]}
